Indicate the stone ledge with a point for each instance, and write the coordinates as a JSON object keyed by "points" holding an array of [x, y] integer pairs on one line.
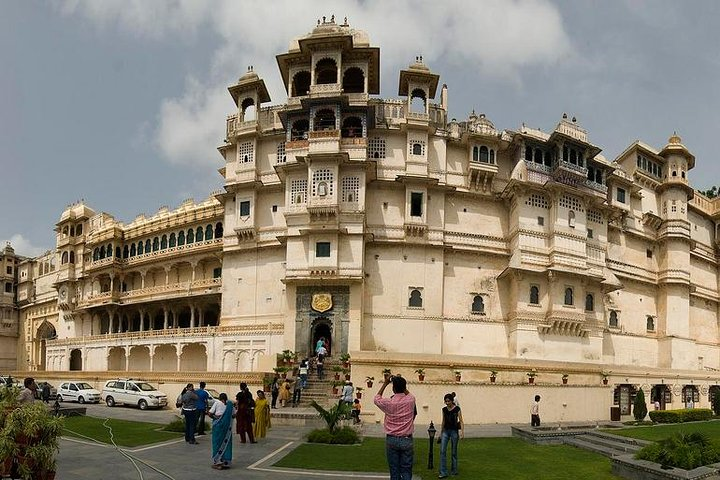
{"points": [[627, 466]]}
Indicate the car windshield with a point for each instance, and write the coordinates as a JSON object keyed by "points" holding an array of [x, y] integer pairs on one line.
{"points": [[84, 386], [145, 387]]}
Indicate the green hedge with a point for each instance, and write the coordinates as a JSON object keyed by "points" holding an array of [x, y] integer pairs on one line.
{"points": [[680, 416], [343, 436]]}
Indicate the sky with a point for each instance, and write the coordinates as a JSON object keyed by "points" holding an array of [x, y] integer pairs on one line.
{"points": [[122, 103]]}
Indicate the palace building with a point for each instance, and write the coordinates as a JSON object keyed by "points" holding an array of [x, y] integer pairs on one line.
{"points": [[408, 239]]}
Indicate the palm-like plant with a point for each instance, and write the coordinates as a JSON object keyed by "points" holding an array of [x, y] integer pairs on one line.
{"points": [[682, 450], [333, 415]]}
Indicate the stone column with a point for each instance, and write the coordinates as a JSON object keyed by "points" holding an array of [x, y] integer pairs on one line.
{"points": [[152, 356], [142, 278], [201, 314], [192, 316], [127, 358], [142, 320], [178, 351], [112, 284], [194, 266], [110, 322], [167, 275], [165, 318]]}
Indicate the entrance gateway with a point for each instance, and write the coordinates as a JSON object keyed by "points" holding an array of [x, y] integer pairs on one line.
{"points": [[322, 312]]}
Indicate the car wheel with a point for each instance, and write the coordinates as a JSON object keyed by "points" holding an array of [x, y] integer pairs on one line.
{"points": [[143, 405], [59, 398], [81, 400], [110, 401]]}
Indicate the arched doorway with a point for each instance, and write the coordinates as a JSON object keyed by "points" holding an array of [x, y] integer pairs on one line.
{"points": [[662, 394], [76, 359], [321, 328], [44, 332]]}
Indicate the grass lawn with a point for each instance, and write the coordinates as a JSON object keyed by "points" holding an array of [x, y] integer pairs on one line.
{"points": [[489, 458], [126, 433], [658, 432]]}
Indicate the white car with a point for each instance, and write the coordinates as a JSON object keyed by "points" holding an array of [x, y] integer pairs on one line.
{"points": [[132, 392], [80, 392]]}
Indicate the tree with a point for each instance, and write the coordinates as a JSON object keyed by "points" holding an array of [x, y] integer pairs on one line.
{"points": [[333, 415], [716, 403], [639, 407]]}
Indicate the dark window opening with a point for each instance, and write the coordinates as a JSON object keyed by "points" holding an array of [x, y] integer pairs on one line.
{"points": [[300, 84], [322, 249], [352, 128], [613, 319], [299, 130], [534, 295], [415, 298], [326, 71], [569, 296], [417, 149], [478, 305], [324, 120], [589, 303], [245, 208], [416, 200], [353, 80]]}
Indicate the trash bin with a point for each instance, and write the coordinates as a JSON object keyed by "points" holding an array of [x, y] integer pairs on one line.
{"points": [[615, 414]]}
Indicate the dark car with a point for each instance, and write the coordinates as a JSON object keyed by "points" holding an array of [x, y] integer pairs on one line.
{"points": [[41, 386]]}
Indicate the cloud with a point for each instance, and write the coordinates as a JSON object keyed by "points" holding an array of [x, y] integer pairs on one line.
{"points": [[495, 38], [22, 246]]}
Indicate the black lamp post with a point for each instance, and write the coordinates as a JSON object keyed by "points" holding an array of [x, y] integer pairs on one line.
{"points": [[431, 435]]}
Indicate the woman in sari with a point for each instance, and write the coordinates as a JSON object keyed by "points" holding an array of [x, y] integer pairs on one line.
{"points": [[221, 413], [262, 415]]}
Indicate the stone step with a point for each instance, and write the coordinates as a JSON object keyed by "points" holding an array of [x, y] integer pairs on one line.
{"points": [[577, 441], [621, 447], [619, 438]]}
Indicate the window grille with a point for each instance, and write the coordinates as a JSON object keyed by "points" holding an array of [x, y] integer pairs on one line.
{"points": [[537, 200], [298, 192], [350, 189], [376, 148], [246, 152], [281, 158], [595, 217], [568, 201], [319, 176]]}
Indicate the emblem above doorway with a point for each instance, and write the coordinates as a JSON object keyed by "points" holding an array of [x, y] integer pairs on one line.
{"points": [[321, 302]]}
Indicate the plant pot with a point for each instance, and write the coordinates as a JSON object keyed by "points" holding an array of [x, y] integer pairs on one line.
{"points": [[346, 364], [283, 375], [531, 380], [335, 390], [347, 376], [492, 379], [337, 376], [358, 395], [457, 378], [369, 384], [421, 377], [564, 381], [605, 381]]}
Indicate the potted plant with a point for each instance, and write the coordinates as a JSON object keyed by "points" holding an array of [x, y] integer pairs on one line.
{"points": [[458, 375], [345, 359], [32, 435], [493, 375], [358, 393], [531, 376], [369, 381], [335, 387], [605, 376], [282, 371], [346, 372], [565, 378], [387, 373], [337, 369], [288, 356]]}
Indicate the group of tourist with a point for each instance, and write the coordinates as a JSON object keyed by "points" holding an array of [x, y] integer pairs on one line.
{"points": [[252, 419]]}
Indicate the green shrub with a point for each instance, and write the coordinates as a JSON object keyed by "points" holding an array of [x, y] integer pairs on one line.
{"points": [[639, 406], [340, 436], [680, 416], [682, 450]]}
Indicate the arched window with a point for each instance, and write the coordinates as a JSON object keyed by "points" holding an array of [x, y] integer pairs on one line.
{"points": [[300, 84], [415, 298], [133, 251], [299, 130], [326, 71], [140, 248], [571, 219], [417, 101], [109, 250], [72, 257], [538, 156], [528, 154], [682, 173], [208, 232], [650, 323], [78, 230], [476, 154], [65, 231], [324, 120], [126, 251], [218, 230], [492, 156], [417, 149], [534, 295], [484, 154], [568, 296], [353, 80], [181, 238], [102, 253], [566, 154], [172, 242], [478, 305], [248, 110], [117, 251], [64, 258], [199, 234], [613, 322], [72, 230], [190, 236], [573, 156], [589, 303], [352, 128], [163, 242], [96, 255], [148, 246]]}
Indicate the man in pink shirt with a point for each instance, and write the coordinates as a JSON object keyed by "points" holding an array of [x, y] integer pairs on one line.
{"points": [[399, 424]]}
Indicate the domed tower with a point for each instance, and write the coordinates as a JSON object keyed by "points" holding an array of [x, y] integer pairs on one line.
{"points": [[676, 349]]}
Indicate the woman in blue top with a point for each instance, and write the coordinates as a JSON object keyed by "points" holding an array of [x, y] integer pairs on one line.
{"points": [[222, 413]]}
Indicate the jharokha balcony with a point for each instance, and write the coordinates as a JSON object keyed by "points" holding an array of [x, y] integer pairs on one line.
{"points": [[160, 292]]}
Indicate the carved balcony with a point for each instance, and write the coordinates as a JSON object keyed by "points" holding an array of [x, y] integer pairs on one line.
{"points": [[325, 90], [323, 141]]}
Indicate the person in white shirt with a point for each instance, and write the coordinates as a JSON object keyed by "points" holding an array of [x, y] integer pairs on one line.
{"points": [[535, 412]]}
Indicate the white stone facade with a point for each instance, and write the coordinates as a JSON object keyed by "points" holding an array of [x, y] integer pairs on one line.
{"points": [[442, 245]]}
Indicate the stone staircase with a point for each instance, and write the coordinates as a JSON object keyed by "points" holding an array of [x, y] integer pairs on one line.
{"points": [[606, 443]]}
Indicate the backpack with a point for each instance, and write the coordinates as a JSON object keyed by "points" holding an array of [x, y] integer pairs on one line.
{"points": [[178, 402]]}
